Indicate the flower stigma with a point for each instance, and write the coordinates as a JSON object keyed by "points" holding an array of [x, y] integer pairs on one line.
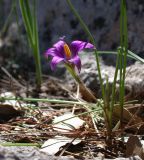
{"points": [[67, 51]]}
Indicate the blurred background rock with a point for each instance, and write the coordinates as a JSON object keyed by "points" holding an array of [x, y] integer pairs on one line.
{"points": [[56, 20]]}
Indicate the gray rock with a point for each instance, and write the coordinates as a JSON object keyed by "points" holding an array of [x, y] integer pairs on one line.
{"points": [[25, 153], [134, 82], [32, 153], [102, 17]]}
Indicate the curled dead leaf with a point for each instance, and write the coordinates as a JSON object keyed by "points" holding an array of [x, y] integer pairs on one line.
{"points": [[127, 116], [8, 111], [134, 147]]}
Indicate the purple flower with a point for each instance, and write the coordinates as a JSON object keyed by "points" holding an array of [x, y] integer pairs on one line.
{"points": [[61, 52]]}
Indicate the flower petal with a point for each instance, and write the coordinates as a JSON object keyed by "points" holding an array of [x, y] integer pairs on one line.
{"points": [[50, 52], [76, 61], [59, 46], [55, 61], [77, 46]]}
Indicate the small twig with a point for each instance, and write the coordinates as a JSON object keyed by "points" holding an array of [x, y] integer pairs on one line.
{"points": [[75, 155], [11, 77], [89, 150], [131, 120], [66, 147], [77, 96]]}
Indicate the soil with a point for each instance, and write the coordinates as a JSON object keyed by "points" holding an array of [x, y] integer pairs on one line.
{"points": [[34, 125]]}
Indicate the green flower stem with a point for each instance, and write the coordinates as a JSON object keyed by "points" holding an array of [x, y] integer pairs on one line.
{"points": [[86, 93], [44, 100], [85, 28], [8, 19], [130, 54], [30, 23], [20, 144], [113, 88], [124, 52]]}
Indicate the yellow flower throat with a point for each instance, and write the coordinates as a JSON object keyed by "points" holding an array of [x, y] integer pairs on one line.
{"points": [[67, 51]]}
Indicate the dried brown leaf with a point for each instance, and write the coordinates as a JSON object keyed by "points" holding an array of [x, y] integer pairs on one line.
{"points": [[134, 147]]}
